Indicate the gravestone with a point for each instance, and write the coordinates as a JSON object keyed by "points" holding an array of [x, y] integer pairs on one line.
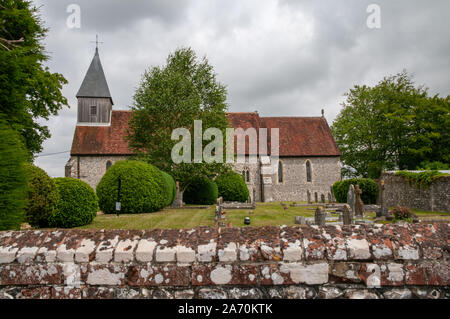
{"points": [[351, 198], [330, 200], [300, 220], [308, 195], [333, 199], [384, 211], [347, 215], [316, 198], [178, 202], [359, 205], [320, 216], [322, 198]]}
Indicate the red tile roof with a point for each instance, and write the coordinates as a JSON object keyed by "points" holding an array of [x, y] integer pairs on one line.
{"points": [[299, 136]]}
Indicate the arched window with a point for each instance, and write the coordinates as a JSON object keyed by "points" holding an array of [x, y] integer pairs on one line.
{"points": [[280, 172], [246, 175], [308, 172], [108, 165]]}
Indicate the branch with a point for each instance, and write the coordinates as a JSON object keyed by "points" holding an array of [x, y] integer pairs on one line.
{"points": [[8, 44]]}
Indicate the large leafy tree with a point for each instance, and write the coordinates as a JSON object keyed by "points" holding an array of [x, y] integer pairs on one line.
{"points": [[393, 125], [171, 97], [28, 90]]}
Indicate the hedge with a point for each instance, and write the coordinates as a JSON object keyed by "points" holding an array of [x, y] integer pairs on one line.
{"points": [[368, 186], [43, 197], [170, 188], [143, 188], [13, 178], [77, 203], [232, 187], [201, 192]]}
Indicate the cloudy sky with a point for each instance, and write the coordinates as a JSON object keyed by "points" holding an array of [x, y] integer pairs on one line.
{"points": [[280, 57]]}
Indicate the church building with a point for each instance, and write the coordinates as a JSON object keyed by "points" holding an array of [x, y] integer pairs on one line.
{"points": [[309, 159]]}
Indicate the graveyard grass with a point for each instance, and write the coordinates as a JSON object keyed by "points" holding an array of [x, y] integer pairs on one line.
{"points": [[265, 214]]}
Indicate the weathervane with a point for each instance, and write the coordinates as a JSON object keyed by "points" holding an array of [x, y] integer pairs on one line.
{"points": [[96, 42]]}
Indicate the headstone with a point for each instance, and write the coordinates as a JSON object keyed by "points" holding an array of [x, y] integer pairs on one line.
{"points": [[347, 215], [316, 198], [320, 216], [178, 202], [322, 198], [384, 211], [341, 218], [308, 195], [330, 200], [333, 199], [359, 205], [300, 220], [351, 198]]}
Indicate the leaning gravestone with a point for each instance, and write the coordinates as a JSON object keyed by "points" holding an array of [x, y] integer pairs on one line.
{"points": [[351, 198], [359, 204], [308, 195], [320, 216], [178, 202], [347, 215], [333, 199]]}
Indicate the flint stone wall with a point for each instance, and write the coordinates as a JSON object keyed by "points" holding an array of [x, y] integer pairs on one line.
{"points": [[390, 261], [398, 192]]}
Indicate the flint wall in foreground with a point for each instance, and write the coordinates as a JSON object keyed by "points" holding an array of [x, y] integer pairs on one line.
{"points": [[390, 261]]}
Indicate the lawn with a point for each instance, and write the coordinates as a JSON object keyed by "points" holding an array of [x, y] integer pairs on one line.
{"points": [[265, 214]]}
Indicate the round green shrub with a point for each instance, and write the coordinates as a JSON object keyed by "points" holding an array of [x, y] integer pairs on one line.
{"points": [[368, 186], [43, 197], [201, 192], [143, 188], [170, 188], [77, 204], [232, 187]]}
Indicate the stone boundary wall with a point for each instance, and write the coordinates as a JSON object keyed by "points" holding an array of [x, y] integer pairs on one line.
{"points": [[359, 261], [398, 191]]}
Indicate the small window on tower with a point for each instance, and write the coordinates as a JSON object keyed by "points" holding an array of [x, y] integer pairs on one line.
{"points": [[94, 110]]}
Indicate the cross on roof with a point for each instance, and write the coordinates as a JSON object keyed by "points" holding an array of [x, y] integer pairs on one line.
{"points": [[96, 41]]}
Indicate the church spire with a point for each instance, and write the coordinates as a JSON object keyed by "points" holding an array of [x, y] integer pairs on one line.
{"points": [[94, 84]]}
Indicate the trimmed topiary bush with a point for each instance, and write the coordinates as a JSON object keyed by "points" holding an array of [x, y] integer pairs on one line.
{"points": [[368, 186], [13, 178], [77, 204], [170, 188], [201, 192], [43, 197], [143, 188], [232, 187]]}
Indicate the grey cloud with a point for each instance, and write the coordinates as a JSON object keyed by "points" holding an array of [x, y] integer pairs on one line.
{"points": [[285, 57]]}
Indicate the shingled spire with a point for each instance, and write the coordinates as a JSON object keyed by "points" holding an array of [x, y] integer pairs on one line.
{"points": [[94, 83], [94, 99]]}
